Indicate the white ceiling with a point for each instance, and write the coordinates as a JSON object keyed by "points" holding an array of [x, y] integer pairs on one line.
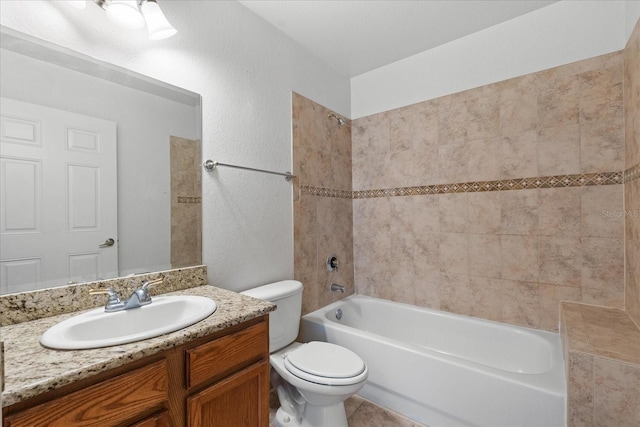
{"points": [[356, 36]]}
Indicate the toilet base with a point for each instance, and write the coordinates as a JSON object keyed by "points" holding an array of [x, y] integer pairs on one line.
{"points": [[314, 416]]}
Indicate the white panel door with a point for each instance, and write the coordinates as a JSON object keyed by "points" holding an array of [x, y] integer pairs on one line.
{"points": [[58, 197]]}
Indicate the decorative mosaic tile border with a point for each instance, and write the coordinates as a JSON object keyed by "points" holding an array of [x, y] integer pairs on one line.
{"points": [[632, 173], [326, 192], [577, 180], [185, 199]]}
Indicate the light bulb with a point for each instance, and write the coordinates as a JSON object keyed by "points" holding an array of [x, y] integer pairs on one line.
{"points": [[125, 13], [157, 25]]}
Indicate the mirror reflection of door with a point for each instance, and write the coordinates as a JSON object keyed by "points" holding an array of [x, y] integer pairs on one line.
{"points": [[62, 164]]}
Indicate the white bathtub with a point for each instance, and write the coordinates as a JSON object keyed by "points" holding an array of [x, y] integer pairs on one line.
{"points": [[443, 369]]}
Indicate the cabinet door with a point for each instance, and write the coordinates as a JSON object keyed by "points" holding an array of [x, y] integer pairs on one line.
{"points": [[241, 400]]}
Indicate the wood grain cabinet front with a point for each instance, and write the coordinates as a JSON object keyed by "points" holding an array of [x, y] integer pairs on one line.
{"points": [[218, 380], [228, 380], [227, 354], [112, 402], [235, 401], [157, 420]]}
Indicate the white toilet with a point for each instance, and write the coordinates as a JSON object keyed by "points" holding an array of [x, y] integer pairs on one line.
{"points": [[313, 379]]}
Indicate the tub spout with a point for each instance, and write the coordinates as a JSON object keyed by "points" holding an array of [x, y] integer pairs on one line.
{"points": [[339, 288]]}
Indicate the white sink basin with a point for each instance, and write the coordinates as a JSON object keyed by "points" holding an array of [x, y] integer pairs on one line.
{"points": [[96, 328]]}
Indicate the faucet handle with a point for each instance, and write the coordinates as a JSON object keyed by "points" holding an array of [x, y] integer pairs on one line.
{"points": [[145, 285], [113, 295], [112, 302], [143, 291]]}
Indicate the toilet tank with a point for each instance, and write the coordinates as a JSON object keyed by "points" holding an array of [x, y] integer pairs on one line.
{"points": [[284, 322]]}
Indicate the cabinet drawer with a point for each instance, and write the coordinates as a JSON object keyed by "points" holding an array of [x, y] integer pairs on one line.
{"points": [[158, 420], [219, 358], [108, 403]]}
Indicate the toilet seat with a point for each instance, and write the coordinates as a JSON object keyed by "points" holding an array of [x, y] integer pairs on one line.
{"points": [[325, 363]]}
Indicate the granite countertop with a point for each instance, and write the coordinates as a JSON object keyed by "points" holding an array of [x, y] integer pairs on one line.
{"points": [[31, 369]]}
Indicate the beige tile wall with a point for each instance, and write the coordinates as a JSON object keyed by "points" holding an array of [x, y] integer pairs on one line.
{"points": [[186, 202], [498, 202], [632, 167], [323, 215], [503, 255]]}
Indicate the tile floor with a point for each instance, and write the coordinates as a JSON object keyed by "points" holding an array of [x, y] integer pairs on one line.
{"points": [[360, 413]]}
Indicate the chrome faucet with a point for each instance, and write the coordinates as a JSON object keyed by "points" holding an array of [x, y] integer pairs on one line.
{"points": [[335, 287], [138, 298]]}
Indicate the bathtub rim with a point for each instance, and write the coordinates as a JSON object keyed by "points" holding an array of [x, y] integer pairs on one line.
{"points": [[552, 381]]}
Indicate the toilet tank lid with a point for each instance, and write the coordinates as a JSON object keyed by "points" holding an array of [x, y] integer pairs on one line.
{"points": [[275, 291]]}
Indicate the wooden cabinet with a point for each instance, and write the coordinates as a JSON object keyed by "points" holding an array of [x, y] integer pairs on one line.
{"points": [[107, 403], [218, 358], [234, 401], [218, 380], [235, 372], [158, 420]]}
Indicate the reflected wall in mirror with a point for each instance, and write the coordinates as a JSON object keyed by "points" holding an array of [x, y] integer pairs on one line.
{"points": [[153, 131]]}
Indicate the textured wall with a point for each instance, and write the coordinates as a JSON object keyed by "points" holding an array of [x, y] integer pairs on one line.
{"points": [[632, 174], [323, 215], [245, 70], [573, 30], [496, 202]]}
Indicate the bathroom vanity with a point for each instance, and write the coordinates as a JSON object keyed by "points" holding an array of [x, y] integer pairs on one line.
{"points": [[215, 372]]}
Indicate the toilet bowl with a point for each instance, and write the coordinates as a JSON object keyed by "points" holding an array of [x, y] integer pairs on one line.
{"points": [[324, 375], [312, 379]]}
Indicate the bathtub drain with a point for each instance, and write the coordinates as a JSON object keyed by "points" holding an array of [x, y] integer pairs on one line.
{"points": [[339, 314]]}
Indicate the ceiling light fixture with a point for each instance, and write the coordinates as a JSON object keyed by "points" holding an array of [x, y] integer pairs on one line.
{"points": [[125, 13], [134, 14], [157, 24]]}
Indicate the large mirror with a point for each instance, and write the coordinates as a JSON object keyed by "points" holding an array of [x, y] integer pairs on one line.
{"points": [[100, 169]]}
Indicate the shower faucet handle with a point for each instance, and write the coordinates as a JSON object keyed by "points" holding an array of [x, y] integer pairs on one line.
{"points": [[332, 263]]}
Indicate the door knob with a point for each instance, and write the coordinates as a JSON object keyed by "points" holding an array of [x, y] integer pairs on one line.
{"points": [[107, 243]]}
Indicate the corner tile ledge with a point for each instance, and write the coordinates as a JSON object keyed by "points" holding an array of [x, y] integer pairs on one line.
{"points": [[600, 331]]}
